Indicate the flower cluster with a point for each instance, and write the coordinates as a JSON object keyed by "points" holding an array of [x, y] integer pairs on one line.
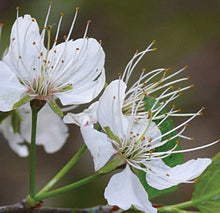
{"points": [[131, 124]]}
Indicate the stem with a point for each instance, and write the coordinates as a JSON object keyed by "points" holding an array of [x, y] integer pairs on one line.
{"points": [[67, 187], [33, 150], [177, 206], [64, 170]]}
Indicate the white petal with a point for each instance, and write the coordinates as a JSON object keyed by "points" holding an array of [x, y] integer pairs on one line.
{"points": [[88, 116], [11, 90], [51, 131], [25, 45], [81, 64], [163, 176], [98, 144], [14, 140], [124, 189], [110, 108]]}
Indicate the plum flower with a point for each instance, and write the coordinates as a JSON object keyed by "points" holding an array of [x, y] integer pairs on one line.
{"points": [[52, 138], [131, 129], [72, 71]]}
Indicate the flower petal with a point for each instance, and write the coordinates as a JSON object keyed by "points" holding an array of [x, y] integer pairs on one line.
{"points": [[11, 90], [163, 176], [25, 45], [88, 116], [110, 108], [14, 140], [81, 64], [98, 144], [51, 131], [124, 189]]}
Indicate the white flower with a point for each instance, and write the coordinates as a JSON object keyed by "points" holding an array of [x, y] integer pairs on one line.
{"points": [[51, 131], [72, 71], [130, 130]]}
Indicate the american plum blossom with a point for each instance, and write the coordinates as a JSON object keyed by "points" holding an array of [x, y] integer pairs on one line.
{"points": [[128, 130], [72, 71]]}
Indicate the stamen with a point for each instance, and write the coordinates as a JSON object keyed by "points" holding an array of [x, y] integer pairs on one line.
{"points": [[87, 27]]}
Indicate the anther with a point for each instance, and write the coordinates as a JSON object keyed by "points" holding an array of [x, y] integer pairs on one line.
{"points": [[171, 87], [195, 180], [186, 125], [77, 8], [143, 69], [33, 20], [177, 142], [34, 43], [192, 139], [62, 14], [87, 37], [100, 41], [77, 48], [203, 108], [186, 67], [150, 139], [51, 3], [1, 24], [62, 61], [167, 175], [137, 51], [218, 140], [154, 49], [64, 37], [41, 53], [188, 78], [201, 114], [89, 21], [154, 41], [173, 106], [114, 97], [19, 57], [167, 70], [17, 8], [192, 85], [119, 74]]}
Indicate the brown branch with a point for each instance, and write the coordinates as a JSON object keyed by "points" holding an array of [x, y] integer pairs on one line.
{"points": [[21, 207]]}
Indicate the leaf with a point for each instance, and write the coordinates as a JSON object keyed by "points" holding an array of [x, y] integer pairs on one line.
{"points": [[4, 115], [15, 121], [171, 160], [206, 196]]}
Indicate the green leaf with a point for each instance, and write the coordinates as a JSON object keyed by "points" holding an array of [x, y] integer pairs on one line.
{"points": [[4, 115], [206, 196], [171, 160], [15, 121]]}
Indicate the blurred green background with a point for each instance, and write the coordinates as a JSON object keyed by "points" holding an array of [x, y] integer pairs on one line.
{"points": [[187, 32]]}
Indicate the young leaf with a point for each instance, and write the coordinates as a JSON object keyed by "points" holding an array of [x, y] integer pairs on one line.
{"points": [[171, 160], [206, 196]]}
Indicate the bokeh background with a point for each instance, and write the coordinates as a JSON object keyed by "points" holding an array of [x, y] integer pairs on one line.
{"points": [[187, 32]]}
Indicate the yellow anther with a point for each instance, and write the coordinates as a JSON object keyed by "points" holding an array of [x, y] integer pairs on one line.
{"points": [[143, 69], [51, 3], [137, 51], [195, 180], [201, 113], [100, 41], [89, 21], [154, 49], [171, 87], [77, 8], [17, 8], [62, 14], [186, 125], [150, 139], [167, 70], [192, 139], [119, 74], [186, 67], [154, 41], [188, 78], [177, 142], [203, 108], [192, 85]]}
